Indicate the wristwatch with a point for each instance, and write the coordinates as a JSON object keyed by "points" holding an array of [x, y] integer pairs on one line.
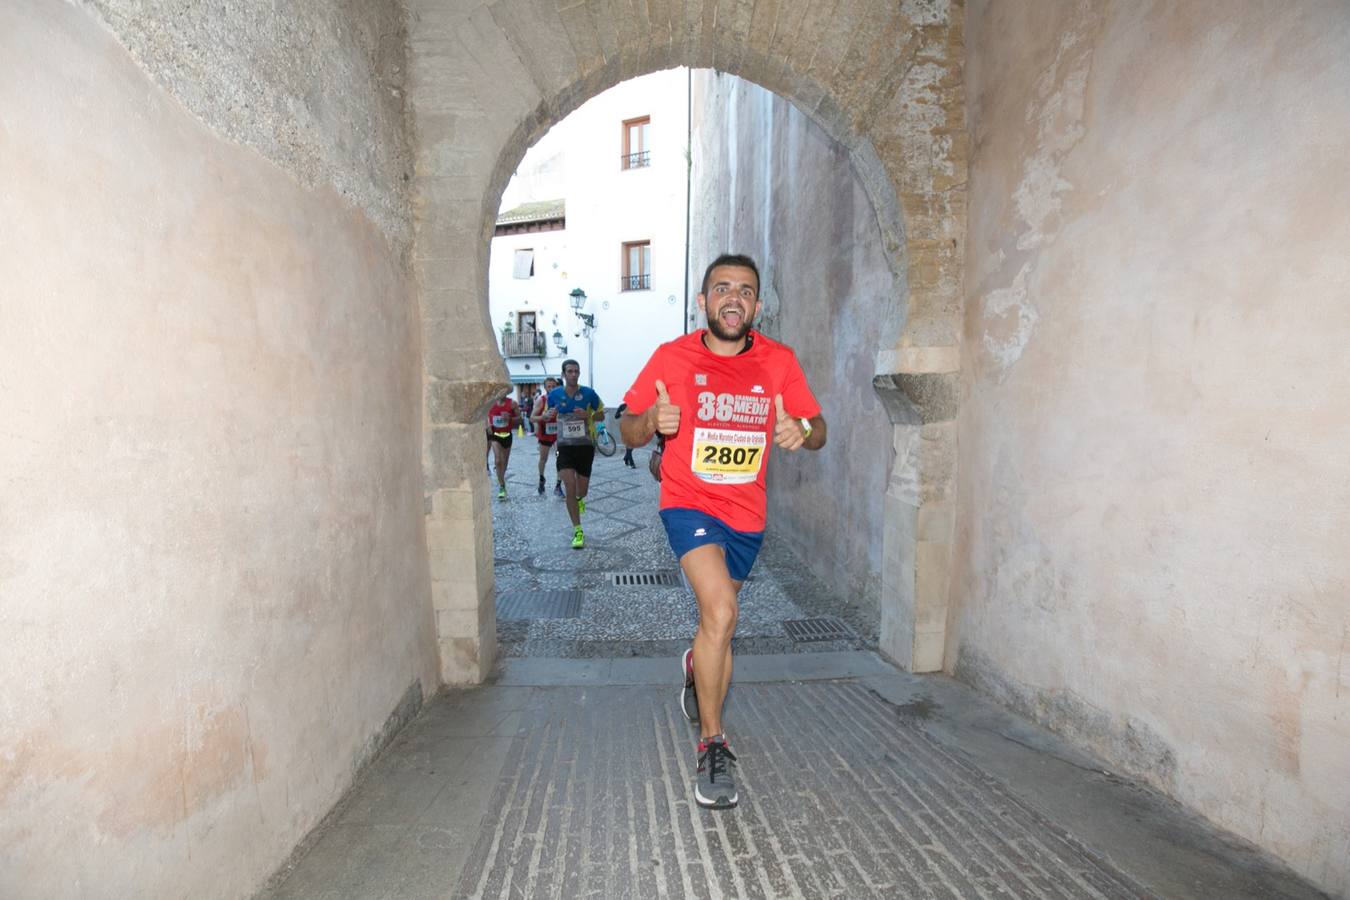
{"points": [[806, 427]]}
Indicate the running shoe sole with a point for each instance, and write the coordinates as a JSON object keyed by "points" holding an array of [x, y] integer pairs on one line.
{"points": [[722, 801]]}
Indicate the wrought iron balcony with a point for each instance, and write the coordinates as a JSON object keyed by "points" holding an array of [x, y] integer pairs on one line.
{"points": [[526, 343], [637, 160], [635, 283]]}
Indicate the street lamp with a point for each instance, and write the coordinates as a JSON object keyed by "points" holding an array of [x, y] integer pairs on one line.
{"points": [[578, 301]]}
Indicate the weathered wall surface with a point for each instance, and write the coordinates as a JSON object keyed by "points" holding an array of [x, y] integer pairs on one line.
{"points": [[770, 183], [1154, 480], [214, 598]]}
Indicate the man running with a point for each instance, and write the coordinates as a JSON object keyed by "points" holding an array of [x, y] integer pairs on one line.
{"points": [[576, 406], [718, 396], [503, 417], [546, 430]]}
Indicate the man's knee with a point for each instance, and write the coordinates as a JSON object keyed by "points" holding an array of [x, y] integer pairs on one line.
{"points": [[718, 617]]}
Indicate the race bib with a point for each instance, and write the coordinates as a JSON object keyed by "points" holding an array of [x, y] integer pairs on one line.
{"points": [[499, 422], [574, 432], [551, 427], [728, 457]]}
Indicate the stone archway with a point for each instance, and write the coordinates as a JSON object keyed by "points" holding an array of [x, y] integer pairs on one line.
{"points": [[486, 81]]}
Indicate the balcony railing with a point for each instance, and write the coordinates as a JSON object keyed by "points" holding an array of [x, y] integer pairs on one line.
{"points": [[635, 283], [637, 160], [526, 343]]}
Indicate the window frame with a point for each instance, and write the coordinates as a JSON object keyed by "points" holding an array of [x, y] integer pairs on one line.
{"points": [[515, 263], [643, 278], [643, 152]]}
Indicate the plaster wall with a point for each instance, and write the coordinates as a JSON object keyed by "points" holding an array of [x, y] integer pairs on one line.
{"points": [[606, 207], [768, 182], [214, 596], [544, 294], [1151, 551]]}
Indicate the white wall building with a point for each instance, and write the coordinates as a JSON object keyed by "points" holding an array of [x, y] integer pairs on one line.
{"points": [[598, 204]]}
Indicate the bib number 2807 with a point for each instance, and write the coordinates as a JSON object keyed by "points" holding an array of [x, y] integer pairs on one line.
{"points": [[726, 456]]}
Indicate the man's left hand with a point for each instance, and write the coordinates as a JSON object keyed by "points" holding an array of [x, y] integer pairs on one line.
{"points": [[787, 431]]}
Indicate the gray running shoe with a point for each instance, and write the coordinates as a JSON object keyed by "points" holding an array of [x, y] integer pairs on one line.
{"points": [[715, 788], [688, 694]]}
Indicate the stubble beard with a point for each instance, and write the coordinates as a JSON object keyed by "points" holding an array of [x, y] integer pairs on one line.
{"points": [[722, 333]]}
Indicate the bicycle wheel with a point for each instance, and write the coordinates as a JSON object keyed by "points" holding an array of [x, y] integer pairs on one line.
{"points": [[604, 444]]}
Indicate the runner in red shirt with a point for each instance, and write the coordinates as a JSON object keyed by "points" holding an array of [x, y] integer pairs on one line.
{"points": [[546, 430], [503, 417], [722, 398]]}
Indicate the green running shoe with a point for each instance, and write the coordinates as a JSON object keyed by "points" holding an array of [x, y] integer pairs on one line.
{"points": [[501, 493], [581, 506], [578, 539]]}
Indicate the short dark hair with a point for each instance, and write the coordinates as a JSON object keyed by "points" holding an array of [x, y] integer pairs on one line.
{"points": [[570, 362], [739, 260]]}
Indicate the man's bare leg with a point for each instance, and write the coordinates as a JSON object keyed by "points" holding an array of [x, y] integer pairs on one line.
{"points": [[502, 454], [715, 591], [569, 480]]}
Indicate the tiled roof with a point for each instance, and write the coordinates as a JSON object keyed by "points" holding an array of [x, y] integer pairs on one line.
{"points": [[539, 211]]}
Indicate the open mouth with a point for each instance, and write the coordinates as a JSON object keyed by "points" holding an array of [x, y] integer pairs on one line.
{"points": [[731, 317]]}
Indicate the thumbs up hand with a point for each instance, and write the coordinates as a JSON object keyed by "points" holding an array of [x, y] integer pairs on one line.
{"points": [[787, 431], [665, 415]]}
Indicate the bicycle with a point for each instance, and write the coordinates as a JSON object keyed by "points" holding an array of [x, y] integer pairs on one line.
{"points": [[605, 444]]}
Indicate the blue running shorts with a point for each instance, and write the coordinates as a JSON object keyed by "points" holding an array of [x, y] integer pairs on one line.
{"points": [[690, 528]]}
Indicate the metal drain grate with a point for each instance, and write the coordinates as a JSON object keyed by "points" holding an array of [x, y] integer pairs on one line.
{"points": [[539, 605], [824, 628], [645, 579]]}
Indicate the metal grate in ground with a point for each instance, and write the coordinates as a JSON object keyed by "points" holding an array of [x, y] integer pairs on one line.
{"points": [[664, 578], [839, 798], [539, 605], [823, 628]]}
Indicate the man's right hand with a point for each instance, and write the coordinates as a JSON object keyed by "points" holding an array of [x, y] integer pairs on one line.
{"points": [[665, 415]]}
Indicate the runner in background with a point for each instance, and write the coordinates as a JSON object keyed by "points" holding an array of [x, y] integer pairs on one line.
{"points": [[545, 423], [503, 417], [627, 450], [577, 407]]}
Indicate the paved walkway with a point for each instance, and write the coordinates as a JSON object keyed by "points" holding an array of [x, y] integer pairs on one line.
{"points": [[571, 774], [531, 535]]}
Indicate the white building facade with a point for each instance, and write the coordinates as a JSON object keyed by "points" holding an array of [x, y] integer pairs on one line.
{"points": [[599, 205]]}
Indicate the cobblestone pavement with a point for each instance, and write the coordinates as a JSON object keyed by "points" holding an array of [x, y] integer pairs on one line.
{"points": [[623, 534]]}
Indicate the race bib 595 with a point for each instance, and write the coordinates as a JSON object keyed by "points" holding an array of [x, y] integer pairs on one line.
{"points": [[574, 430]]}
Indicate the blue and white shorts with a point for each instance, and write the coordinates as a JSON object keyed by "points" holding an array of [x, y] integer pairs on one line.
{"points": [[690, 528]]}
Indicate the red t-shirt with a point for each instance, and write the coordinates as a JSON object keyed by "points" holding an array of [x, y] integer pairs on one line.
{"points": [[716, 462], [546, 430], [501, 416]]}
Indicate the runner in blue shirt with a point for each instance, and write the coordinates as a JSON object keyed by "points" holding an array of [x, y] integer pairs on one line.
{"points": [[577, 407]]}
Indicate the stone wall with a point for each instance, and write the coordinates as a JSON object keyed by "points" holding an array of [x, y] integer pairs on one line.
{"points": [[214, 597], [768, 182], [1154, 481], [882, 80]]}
